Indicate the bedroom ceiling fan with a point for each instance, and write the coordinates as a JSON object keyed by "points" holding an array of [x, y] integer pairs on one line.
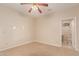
{"points": [[35, 6]]}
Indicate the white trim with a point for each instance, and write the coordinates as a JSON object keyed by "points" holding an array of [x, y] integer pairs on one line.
{"points": [[48, 43], [16, 45], [73, 18]]}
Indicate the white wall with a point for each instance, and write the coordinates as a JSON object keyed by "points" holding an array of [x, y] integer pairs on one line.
{"points": [[49, 27], [15, 28], [48, 30], [45, 29]]}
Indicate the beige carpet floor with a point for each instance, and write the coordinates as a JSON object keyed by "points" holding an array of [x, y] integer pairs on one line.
{"points": [[39, 49]]}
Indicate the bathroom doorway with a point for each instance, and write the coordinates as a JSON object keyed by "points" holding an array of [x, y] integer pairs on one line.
{"points": [[69, 32]]}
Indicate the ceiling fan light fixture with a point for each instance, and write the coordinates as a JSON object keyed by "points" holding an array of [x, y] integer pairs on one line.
{"points": [[34, 7]]}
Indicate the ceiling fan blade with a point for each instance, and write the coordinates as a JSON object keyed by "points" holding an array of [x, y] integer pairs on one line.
{"points": [[43, 4], [30, 10], [25, 3], [39, 10]]}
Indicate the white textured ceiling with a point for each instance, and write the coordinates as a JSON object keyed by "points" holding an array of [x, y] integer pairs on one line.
{"points": [[52, 7], [62, 6]]}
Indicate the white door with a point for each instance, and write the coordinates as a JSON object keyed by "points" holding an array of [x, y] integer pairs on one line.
{"points": [[69, 32]]}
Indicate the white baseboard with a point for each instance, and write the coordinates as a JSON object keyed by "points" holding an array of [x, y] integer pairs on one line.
{"points": [[19, 43], [16, 45], [45, 42], [77, 49]]}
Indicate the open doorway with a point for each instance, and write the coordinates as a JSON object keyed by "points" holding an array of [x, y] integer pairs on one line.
{"points": [[69, 32]]}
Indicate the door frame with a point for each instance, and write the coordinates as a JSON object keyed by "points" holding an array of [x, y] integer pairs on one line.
{"points": [[75, 31]]}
